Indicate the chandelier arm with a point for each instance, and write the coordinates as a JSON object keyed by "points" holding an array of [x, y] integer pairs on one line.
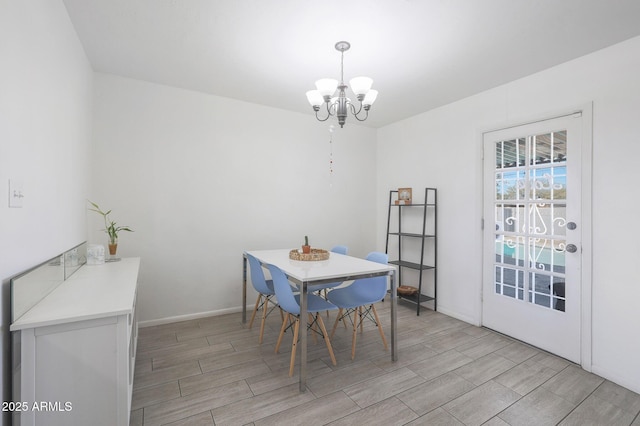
{"points": [[353, 109], [355, 114], [365, 117], [322, 119], [331, 106]]}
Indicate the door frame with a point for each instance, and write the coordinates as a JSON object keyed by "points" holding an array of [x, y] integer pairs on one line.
{"points": [[586, 147]]}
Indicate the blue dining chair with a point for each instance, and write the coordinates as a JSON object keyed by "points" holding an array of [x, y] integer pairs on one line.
{"points": [[265, 291], [358, 299], [320, 287], [340, 249], [290, 303]]}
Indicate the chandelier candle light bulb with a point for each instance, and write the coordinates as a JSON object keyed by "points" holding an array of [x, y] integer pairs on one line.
{"points": [[339, 105]]}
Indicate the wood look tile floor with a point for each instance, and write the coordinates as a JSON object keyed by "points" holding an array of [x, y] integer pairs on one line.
{"points": [[212, 371]]}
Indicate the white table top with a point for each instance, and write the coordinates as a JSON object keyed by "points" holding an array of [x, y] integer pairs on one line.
{"points": [[94, 291], [337, 266]]}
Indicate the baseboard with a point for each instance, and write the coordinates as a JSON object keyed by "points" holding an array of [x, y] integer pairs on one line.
{"points": [[615, 378], [456, 315], [187, 317]]}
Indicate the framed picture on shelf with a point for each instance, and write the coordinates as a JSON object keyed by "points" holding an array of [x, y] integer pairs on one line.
{"points": [[404, 196]]}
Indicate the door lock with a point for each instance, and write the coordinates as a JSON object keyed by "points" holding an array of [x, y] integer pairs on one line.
{"points": [[571, 226], [571, 248]]}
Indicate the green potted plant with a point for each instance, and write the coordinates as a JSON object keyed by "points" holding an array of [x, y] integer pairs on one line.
{"points": [[110, 227], [306, 248]]}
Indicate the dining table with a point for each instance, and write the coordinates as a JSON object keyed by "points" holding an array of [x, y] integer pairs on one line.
{"points": [[337, 268]]}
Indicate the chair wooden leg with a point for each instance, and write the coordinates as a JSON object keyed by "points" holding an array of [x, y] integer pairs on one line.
{"points": [[284, 326], [335, 324], [265, 309], [355, 332], [326, 339], [294, 346], [255, 309], [375, 314], [361, 322]]}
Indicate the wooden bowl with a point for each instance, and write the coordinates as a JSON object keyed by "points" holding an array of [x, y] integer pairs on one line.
{"points": [[407, 290], [315, 255]]}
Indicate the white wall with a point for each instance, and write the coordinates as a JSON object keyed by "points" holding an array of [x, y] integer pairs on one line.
{"points": [[442, 148], [201, 178], [45, 119]]}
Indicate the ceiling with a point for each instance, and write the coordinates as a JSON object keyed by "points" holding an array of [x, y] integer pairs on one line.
{"points": [[421, 54]]}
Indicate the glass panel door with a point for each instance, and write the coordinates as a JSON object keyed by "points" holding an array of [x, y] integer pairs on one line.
{"points": [[532, 204]]}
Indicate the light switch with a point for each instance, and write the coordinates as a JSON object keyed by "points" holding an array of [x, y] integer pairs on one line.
{"points": [[16, 194]]}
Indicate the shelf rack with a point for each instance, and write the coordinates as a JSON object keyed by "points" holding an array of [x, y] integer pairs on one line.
{"points": [[427, 239]]}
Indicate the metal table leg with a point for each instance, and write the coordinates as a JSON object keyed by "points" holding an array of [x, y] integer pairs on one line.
{"points": [[303, 336], [244, 289]]}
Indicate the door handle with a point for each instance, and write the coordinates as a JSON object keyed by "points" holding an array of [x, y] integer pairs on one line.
{"points": [[571, 248]]}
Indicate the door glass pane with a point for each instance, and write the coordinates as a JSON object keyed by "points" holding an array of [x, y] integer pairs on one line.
{"points": [[558, 219], [549, 183], [540, 289], [559, 187], [546, 294], [558, 294], [511, 153], [510, 185], [559, 147], [530, 218], [510, 250], [510, 282], [542, 149], [509, 217]]}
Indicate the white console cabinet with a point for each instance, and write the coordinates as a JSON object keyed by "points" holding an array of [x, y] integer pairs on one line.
{"points": [[77, 350]]}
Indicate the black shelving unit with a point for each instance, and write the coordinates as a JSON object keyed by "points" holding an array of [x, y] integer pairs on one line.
{"points": [[416, 247]]}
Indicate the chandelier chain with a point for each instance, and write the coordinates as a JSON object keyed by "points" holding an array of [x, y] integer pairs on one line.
{"points": [[342, 68]]}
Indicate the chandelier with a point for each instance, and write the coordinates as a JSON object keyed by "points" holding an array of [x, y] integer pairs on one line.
{"points": [[337, 106]]}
